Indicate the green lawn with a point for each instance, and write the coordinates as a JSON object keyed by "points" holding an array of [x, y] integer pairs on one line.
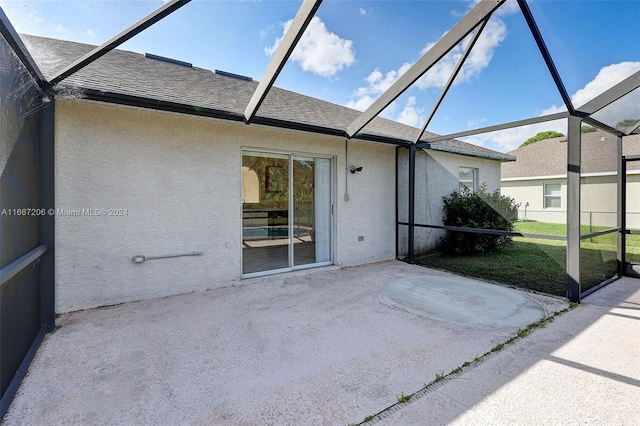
{"points": [[526, 264], [633, 248], [545, 228], [609, 240], [539, 264]]}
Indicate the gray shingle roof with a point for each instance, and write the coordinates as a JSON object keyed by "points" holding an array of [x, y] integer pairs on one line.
{"points": [[549, 157], [131, 74]]}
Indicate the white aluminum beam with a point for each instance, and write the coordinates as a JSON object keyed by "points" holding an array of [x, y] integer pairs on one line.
{"points": [[452, 78], [441, 48], [626, 86], [290, 40], [498, 127]]}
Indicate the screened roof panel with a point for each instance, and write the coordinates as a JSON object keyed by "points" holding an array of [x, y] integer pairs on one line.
{"points": [[212, 35], [591, 42], [504, 79], [352, 52], [623, 114], [508, 140], [84, 21]]}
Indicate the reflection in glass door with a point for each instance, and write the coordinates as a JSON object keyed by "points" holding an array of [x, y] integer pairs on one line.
{"points": [[265, 212], [286, 212], [311, 210]]}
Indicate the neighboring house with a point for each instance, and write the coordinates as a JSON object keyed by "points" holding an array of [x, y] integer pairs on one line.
{"points": [[159, 150], [537, 179]]}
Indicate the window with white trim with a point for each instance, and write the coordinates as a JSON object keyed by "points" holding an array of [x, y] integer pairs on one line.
{"points": [[552, 195], [468, 178]]}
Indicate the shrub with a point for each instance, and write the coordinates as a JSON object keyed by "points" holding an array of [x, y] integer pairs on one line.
{"points": [[482, 209], [541, 136]]}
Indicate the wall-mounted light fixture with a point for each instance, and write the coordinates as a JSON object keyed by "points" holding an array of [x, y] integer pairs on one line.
{"points": [[355, 169]]}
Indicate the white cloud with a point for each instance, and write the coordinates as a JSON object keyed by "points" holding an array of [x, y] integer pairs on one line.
{"points": [[35, 18], [363, 11], [508, 140], [361, 103], [59, 28], [474, 124], [319, 51], [91, 33], [607, 77], [377, 82], [508, 8], [494, 33], [410, 115]]}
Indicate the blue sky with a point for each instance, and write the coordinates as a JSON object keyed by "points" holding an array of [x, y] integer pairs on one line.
{"points": [[353, 50]]}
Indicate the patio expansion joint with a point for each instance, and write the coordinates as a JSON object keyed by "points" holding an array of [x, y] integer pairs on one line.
{"points": [[429, 388], [443, 379]]}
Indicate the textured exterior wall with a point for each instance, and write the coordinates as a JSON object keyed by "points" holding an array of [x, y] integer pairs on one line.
{"points": [[532, 191], [633, 189], [598, 194], [179, 178], [437, 175]]}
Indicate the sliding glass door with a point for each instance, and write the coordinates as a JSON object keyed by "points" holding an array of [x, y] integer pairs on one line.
{"points": [[311, 210], [286, 212]]}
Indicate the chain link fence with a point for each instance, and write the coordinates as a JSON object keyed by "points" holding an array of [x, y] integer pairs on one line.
{"points": [[633, 221]]}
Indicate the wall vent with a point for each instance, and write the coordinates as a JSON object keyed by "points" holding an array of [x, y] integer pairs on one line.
{"points": [[232, 75], [171, 61]]}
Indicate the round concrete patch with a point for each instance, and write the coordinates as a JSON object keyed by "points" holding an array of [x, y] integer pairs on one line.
{"points": [[463, 301]]}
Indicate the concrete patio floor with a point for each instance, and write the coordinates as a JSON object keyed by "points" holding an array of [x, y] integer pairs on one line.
{"points": [[582, 369], [320, 347]]}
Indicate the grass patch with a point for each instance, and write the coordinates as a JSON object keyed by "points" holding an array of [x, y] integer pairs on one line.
{"points": [[530, 227], [633, 248], [539, 264], [403, 398], [526, 263], [545, 228]]}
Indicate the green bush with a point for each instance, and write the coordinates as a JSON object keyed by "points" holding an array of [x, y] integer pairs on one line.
{"points": [[482, 209]]}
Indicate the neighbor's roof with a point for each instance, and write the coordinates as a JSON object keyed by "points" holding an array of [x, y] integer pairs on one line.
{"points": [[127, 77], [599, 153]]}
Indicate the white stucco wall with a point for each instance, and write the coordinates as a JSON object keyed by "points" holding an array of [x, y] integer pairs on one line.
{"points": [[532, 191], [437, 175], [179, 178]]}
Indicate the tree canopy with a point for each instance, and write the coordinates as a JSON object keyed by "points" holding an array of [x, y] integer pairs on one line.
{"points": [[541, 136], [627, 123]]}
